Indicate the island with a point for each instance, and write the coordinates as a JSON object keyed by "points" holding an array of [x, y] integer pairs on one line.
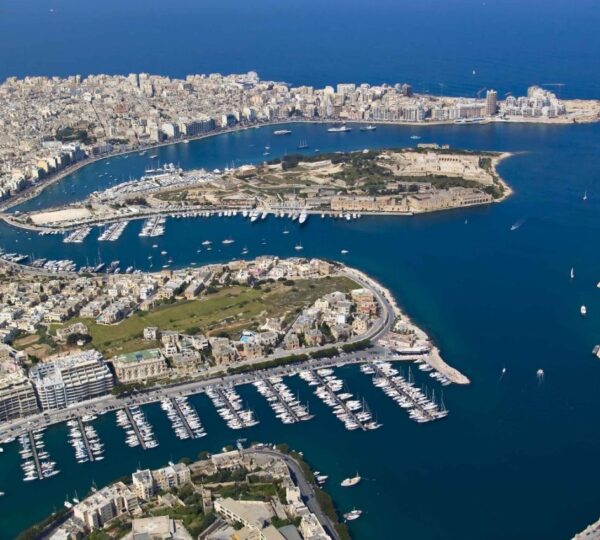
{"points": [[410, 181], [244, 493], [50, 127]]}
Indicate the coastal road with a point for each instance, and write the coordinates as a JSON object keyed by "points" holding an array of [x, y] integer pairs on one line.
{"points": [[306, 489]]}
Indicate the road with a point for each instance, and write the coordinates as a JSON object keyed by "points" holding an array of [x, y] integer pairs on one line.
{"points": [[306, 489]]}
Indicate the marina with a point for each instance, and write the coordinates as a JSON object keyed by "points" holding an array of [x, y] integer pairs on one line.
{"points": [[183, 417], [229, 407], [353, 413], [286, 406], [421, 407]]}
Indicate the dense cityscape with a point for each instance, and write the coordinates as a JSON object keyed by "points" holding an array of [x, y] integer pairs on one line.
{"points": [[49, 124]]}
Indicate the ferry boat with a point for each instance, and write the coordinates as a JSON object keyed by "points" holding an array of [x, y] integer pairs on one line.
{"points": [[340, 129], [370, 127], [352, 481], [282, 132]]}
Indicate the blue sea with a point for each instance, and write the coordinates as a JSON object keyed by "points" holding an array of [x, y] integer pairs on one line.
{"points": [[517, 457]]}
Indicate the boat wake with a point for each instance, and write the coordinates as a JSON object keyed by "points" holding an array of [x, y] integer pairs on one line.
{"points": [[517, 224]]}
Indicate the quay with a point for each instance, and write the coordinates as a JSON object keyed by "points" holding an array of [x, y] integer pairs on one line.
{"points": [[113, 232], [85, 439], [282, 401], [338, 400], [183, 418], [135, 428], [36, 458]]}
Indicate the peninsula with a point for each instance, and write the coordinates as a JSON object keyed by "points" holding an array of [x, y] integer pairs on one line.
{"points": [[51, 126], [107, 337]]}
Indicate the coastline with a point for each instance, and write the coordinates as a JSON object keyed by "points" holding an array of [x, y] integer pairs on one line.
{"points": [[434, 358], [34, 190]]}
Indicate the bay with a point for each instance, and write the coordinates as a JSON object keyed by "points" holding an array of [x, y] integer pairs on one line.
{"points": [[516, 457]]}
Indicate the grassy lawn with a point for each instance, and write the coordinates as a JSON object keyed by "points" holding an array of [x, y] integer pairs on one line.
{"points": [[229, 310]]}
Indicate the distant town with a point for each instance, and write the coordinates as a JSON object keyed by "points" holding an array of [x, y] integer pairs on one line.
{"points": [[50, 126]]}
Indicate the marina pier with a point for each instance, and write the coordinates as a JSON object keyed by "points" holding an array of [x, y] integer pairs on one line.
{"points": [[35, 455], [339, 403], [183, 418], [286, 407], [135, 428], [229, 406], [85, 439], [421, 408]]}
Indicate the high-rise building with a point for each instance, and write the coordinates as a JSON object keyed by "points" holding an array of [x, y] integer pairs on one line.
{"points": [[71, 379], [491, 102], [17, 398]]}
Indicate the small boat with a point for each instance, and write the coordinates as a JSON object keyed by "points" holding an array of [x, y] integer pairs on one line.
{"points": [[585, 196], [282, 132], [415, 137], [228, 241], [352, 515], [583, 311], [352, 481], [153, 156], [344, 252], [572, 273], [298, 247], [368, 128]]}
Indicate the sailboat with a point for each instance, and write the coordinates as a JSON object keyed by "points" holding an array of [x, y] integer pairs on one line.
{"points": [[303, 145]]}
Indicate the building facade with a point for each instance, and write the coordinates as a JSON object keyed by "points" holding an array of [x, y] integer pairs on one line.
{"points": [[71, 379]]}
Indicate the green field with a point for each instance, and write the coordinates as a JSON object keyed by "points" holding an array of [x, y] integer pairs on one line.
{"points": [[229, 311]]}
